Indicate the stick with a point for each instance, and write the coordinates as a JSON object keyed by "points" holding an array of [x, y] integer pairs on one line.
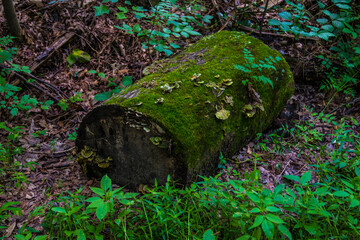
{"points": [[50, 51]]}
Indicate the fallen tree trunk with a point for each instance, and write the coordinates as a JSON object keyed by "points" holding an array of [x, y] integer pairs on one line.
{"points": [[186, 110]]}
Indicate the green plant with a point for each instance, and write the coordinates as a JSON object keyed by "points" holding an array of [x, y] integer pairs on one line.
{"points": [[126, 81], [5, 211], [39, 133], [9, 93], [79, 56], [296, 20], [339, 21], [9, 148], [72, 136], [166, 26], [64, 103], [249, 66]]}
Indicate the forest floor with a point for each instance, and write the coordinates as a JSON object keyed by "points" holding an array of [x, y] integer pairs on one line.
{"points": [[117, 55]]}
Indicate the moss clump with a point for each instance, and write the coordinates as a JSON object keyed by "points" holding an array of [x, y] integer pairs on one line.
{"points": [[186, 95]]}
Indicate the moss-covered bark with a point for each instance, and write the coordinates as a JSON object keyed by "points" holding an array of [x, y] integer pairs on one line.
{"points": [[190, 107]]}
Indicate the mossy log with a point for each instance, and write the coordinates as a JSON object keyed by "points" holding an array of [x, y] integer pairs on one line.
{"points": [[186, 110]]}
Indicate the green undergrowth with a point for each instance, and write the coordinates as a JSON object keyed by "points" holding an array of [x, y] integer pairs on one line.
{"points": [[336, 22], [322, 203]]}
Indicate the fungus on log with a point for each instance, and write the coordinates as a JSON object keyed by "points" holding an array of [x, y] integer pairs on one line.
{"points": [[213, 97]]}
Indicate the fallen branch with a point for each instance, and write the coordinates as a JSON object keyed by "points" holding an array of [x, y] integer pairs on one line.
{"points": [[50, 51], [25, 80], [249, 29]]}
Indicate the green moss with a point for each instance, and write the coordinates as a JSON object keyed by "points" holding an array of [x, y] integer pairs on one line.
{"points": [[189, 110]]}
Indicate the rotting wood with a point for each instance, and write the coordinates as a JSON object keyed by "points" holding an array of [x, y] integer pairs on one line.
{"points": [[50, 51], [185, 111]]}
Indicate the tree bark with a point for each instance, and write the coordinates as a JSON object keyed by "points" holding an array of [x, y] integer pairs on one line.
{"points": [[186, 110], [11, 19]]}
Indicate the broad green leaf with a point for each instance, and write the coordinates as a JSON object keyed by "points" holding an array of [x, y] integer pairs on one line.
{"points": [[193, 33], [42, 237], [328, 27], [75, 210], [98, 191], [343, 6], [174, 45], [92, 71], [136, 28], [341, 1], [268, 228], [207, 18], [284, 231], [321, 5], [286, 15], [93, 199], [208, 235], [338, 24], [322, 191], [103, 96], [127, 81], [253, 197], [20, 237], [118, 222], [166, 30], [334, 16], [305, 178], [184, 34], [58, 209], [322, 20], [326, 12], [245, 237], [357, 171], [354, 203], [14, 111], [168, 52], [258, 220], [341, 194], [326, 35], [100, 10], [274, 22], [293, 178], [139, 15], [311, 229], [105, 183], [121, 15], [101, 211], [273, 209], [273, 218], [80, 234], [123, 9], [255, 210], [101, 74], [95, 204]]}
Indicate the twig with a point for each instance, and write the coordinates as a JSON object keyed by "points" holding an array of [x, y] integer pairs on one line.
{"points": [[227, 21], [351, 102], [249, 29], [263, 15], [47, 84], [278, 177], [35, 86], [217, 7], [59, 165], [20, 75], [50, 50]]}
